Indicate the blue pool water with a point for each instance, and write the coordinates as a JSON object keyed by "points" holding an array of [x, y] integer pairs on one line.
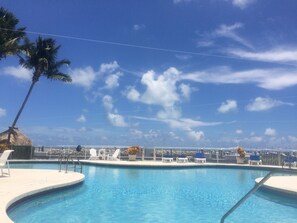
{"points": [[155, 195]]}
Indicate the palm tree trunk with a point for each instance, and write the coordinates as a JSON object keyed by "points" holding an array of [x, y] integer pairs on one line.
{"points": [[20, 111]]}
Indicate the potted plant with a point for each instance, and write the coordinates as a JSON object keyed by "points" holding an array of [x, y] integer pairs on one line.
{"points": [[132, 151], [241, 158]]}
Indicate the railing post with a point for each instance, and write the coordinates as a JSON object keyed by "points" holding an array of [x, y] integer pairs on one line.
{"points": [[217, 155]]}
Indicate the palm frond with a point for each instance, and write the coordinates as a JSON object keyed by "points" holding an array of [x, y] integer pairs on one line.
{"points": [[60, 77]]}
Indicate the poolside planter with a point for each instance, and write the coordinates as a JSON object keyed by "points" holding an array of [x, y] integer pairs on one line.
{"points": [[132, 157], [240, 160]]}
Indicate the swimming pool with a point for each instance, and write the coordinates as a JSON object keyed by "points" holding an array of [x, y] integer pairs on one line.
{"points": [[155, 195]]}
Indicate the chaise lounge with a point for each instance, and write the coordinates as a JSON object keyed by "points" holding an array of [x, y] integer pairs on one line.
{"points": [[167, 159], [5, 162], [255, 159], [200, 158]]}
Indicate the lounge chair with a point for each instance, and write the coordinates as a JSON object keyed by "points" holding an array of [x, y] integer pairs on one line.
{"points": [[290, 161], [167, 159], [4, 161], [114, 156], [200, 158], [93, 154], [182, 159], [102, 154], [255, 159]]}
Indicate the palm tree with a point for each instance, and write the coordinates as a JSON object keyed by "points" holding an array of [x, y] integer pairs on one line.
{"points": [[41, 57], [10, 36]]}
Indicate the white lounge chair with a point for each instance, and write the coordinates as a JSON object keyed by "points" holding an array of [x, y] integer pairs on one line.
{"points": [[182, 159], [167, 159], [114, 156], [93, 154], [4, 161], [102, 154]]}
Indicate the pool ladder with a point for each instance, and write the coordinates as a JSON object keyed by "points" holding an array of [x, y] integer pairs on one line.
{"points": [[70, 162], [254, 189]]}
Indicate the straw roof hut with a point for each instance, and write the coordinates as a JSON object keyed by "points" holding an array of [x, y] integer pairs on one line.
{"points": [[17, 138]]}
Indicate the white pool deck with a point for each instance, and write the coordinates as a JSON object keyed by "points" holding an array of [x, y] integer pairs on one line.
{"points": [[26, 182]]}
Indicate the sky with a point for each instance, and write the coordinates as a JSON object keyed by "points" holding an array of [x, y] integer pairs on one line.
{"points": [[217, 73]]}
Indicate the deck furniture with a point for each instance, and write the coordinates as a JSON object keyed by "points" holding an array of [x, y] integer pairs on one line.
{"points": [[93, 154], [5, 162], [290, 161], [167, 159], [255, 160], [182, 159], [114, 156], [200, 158]]}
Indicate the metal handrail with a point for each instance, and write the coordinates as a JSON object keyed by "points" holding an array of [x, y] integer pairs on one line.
{"points": [[68, 159], [254, 189]]}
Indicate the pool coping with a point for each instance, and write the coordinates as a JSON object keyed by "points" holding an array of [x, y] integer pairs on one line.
{"points": [[281, 185], [33, 182]]}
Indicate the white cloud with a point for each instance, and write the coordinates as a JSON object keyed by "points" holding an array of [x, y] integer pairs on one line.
{"points": [[228, 106], [136, 133], [271, 79], [183, 57], [169, 112], [2, 112], [185, 90], [239, 131], [18, 72], [270, 132], [108, 67], [112, 81], [107, 102], [132, 94], [160, 90], [112, 115], [204, 43], [196, 135], [187, 124], [137, 27], [255, 139], [264, 104], [181, 1], [280, 55], [116, 120], [81, 119], [292, 139], [242, 4], [84, 77], [229, 31]]}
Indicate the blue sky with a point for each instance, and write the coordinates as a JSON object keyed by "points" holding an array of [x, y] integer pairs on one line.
{"points": [[216, 73]]}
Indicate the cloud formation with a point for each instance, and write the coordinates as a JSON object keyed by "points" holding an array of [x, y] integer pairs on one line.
{"points": [[242, 4], [112, 115], [18, 72], [81, 119], [264, 104], [2, 112], [160, 90], [137, 27], [229, 31], [271, 79], [270, 132], [228, 106], [279, 55], [84, 77]]}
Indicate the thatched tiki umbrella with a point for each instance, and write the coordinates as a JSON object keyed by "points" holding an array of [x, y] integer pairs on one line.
{"points": [[17, 138], [20, 143]]}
